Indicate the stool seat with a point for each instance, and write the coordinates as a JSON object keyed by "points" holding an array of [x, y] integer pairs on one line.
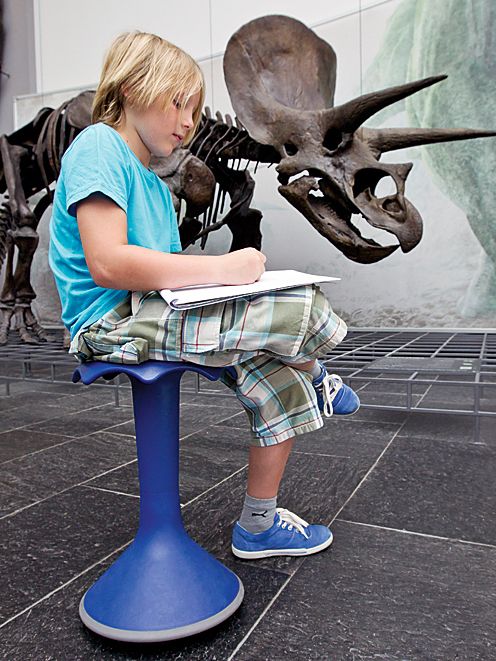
{"points": [[164, 585], [147, 372]]}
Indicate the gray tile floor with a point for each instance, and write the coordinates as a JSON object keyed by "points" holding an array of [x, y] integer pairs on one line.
{"points": [[410, 499]]}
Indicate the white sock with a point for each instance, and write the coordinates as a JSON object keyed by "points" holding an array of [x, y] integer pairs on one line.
{"points": [[316, 369]]}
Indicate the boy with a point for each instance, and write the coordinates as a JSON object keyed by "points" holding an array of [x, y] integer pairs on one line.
{"points": [[114, 243]]}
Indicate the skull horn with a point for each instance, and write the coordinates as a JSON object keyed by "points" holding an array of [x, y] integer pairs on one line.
{"points": [[382, 140], [351, 115]]}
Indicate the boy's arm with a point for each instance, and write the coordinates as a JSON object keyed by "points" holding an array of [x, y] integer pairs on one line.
{"points": [[115, 264]]}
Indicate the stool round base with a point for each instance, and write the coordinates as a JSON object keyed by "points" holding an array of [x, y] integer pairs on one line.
{"points": [[164, 586], [157, 636]]}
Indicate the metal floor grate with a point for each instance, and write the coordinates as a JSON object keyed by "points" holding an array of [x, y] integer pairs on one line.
{"points": [[424, 371], [47, 361], [412, 370], [363, 347]]}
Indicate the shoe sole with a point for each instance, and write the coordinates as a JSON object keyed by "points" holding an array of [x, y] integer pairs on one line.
{"points": [[340, 415], [344, 415], [254, 555]]}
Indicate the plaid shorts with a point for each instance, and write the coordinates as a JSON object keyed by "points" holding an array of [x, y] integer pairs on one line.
{"points": [[260, 335]]}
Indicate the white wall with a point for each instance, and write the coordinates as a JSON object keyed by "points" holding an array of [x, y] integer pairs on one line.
{"points": [[202, 28], [422, 288], [19, 61]]}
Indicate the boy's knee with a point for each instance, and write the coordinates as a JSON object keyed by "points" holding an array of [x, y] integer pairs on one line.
{"points": [[325, 328]]}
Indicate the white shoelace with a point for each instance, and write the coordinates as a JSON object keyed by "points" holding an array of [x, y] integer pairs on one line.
{"points": [[331, 385], [291, 520]]}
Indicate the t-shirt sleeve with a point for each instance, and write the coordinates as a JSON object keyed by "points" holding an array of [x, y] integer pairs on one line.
{"points": [[95, 165]]}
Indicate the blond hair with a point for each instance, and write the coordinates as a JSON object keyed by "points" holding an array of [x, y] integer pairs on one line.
{"points": [[147, 67]]}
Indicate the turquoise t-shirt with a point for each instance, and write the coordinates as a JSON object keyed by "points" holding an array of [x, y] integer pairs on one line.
{"points": [[100, 161]]}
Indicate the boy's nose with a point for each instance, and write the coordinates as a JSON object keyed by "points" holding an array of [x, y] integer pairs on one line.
{"points": [[187, 117], [187, 120]]}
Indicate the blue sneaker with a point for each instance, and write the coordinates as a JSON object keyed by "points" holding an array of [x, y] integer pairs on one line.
{"points": [[289, 535], [333, 396]]}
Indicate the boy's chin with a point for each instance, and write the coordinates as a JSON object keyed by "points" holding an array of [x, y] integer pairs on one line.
{"points": [[165, 152]]}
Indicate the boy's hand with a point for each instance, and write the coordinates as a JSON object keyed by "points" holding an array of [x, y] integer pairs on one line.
{"points": [[242, 267]]}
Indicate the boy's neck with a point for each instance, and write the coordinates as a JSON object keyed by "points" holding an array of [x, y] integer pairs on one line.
{"points": [[133, 140]]}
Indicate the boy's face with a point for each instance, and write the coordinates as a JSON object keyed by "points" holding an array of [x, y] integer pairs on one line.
{"points": [[156, 131]]}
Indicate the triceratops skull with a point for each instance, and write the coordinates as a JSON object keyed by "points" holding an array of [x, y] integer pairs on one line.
{"points": [[281, 80]]}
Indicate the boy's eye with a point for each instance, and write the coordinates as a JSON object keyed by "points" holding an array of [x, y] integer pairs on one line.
{"points": [[177, 104]]}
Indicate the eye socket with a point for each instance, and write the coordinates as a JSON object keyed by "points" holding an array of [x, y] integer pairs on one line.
{"points": [[377, 181], [332, 139], [177, 104], [291, 149]]}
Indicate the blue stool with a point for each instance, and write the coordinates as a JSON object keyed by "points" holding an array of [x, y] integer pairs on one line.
{"points": [[163, 586]]}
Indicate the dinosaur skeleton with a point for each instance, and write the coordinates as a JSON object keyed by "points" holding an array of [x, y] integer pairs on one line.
{"points": [[281, 79]]}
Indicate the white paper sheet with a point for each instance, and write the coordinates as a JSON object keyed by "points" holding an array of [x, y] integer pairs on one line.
{"points": [[197, 296]]}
